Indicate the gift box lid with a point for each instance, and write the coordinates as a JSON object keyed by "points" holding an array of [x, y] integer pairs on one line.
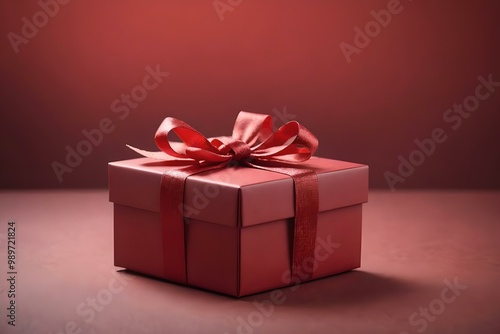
{"points": [[237, 195]]}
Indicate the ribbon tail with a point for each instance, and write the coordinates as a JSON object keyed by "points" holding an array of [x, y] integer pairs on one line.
{"points": [[157, 155]]}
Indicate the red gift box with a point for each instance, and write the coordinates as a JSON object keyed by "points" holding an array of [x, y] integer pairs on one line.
{"points": [[238, 223]]}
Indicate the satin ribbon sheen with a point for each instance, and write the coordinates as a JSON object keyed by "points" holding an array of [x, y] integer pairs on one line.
{"points": [[254, 144]]}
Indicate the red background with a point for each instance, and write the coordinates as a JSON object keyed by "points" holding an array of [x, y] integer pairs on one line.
{"points": [[263, 55]]}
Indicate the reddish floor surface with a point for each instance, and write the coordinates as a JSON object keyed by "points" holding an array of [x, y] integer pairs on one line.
{"points": [[415, 244]]}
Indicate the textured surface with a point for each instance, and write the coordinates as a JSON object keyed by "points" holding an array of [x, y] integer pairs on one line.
{"points": [[412, 243]]}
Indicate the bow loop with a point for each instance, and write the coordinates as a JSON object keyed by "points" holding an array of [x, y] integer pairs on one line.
{"points": [[195, 145], [252, 128], [291, 143]]}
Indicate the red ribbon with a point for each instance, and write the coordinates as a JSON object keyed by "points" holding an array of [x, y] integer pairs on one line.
{"points": [[253, 144]]}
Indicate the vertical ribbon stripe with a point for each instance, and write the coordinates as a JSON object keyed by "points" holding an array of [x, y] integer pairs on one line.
{"points": [[306, 207], [172, 219]]}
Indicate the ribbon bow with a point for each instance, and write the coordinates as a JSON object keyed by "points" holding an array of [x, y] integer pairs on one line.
{"points": [[252, 139], [254, 144]]}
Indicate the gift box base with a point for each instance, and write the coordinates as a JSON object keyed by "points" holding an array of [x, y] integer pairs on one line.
{"points": [[234, 260]]}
